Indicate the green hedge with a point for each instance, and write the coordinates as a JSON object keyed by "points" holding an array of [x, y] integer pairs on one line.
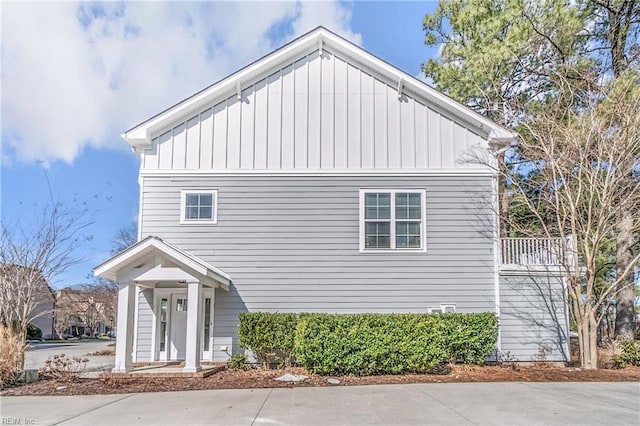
{"points": [[33, 332], [470, 337], [270, 336], [630, 354], [365, 344]]}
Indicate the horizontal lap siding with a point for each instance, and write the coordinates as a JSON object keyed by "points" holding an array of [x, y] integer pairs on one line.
{"points": [[291, 244], [533, 316], [145, 325]]}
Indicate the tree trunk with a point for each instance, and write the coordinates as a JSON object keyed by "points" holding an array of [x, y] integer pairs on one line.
{"points": [[588, 339], [625, 291], [22, 336]]}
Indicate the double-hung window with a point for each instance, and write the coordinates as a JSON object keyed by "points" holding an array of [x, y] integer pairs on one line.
{"points": [[392, 219], [199, 206]]}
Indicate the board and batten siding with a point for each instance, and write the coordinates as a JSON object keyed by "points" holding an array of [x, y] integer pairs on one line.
{"points": [[291, 244], [533, 316], [318, 113]]}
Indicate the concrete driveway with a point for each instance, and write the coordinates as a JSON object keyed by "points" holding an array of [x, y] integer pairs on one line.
{"points": [[437, 404], [38, 353]]}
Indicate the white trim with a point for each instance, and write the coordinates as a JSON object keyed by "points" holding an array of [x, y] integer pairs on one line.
{"points": [[442, 309], [213, 316], [139, 137], [111, 267], [444, 306], [208, 293], [163, 273], [140, 200], [392, 220], [214, 208], [169, 293], [239, 90], [319, 172], [193, 350], [136, 298], [551, 270], [158, 295]]}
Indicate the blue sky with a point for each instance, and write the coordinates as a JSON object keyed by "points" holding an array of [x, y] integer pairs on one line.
{"points": [[76, 75]]}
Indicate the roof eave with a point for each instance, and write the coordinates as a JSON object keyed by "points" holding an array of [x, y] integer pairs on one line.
{"points": [[139, 137], [109, 269]]}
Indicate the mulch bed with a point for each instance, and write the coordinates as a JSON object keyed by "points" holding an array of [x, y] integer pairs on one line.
{"points": [[255, 378]]}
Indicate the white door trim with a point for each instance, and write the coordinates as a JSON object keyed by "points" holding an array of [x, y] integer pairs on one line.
{"points": [[170, 294]]}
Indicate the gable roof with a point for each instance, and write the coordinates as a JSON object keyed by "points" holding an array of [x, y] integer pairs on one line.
{"points": [[129, 256], [140, 136]]}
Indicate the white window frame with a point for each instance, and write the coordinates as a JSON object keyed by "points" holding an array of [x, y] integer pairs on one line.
{"points": [[183, 205], [392, 220]]}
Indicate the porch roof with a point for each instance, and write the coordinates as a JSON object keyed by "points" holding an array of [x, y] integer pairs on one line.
{"points": [[191, 265]]}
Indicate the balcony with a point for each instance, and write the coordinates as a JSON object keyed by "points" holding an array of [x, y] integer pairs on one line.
{"points": [[531, 251]]}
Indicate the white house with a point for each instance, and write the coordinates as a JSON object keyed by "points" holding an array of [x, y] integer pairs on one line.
{"points": [[320, 178]]}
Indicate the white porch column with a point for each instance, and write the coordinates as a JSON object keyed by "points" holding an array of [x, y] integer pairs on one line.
{"points": [[194, 328], [124, 337]]}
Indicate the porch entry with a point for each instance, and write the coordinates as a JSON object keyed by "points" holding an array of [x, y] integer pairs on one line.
{"points": [[172, 312], [180, 325]]}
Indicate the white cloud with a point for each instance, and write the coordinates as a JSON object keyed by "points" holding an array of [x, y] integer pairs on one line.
{"points": [[78, 74]]}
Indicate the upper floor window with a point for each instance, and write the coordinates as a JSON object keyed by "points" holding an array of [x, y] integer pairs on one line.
{"points": [[199, 206], [392, 219]]}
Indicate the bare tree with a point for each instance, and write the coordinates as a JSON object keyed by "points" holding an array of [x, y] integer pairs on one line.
{"points": [[91, 304], [124, 238], [582, 171], [31, 255], [64, 313], [97, 305]]}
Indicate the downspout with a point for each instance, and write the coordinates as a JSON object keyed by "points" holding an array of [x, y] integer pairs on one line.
{"points": [[496, 260], [496, 243]]}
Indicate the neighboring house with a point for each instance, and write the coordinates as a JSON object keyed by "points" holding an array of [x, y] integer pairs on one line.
{"points": [[81, 312], [321, 179], [42, 315]]}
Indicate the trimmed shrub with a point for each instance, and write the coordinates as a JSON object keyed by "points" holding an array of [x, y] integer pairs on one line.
{"points": [[470, 338], [33, 332], [368, 344], [269, 335], [630, 354]]}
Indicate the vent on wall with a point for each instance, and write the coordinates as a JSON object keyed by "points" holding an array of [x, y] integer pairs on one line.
{"points": [[443, 309]]}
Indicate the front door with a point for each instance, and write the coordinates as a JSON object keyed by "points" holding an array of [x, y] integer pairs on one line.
{"points": [[179, 326]]}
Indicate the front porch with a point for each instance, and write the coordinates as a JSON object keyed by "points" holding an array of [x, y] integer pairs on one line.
{"points": [[165, 307], [171, 370]]}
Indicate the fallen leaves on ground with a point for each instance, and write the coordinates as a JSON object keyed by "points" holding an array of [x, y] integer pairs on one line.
{"points": [[257, 378]]}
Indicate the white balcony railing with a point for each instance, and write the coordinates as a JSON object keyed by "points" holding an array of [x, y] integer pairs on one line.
{"points": [[531, 251]]}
